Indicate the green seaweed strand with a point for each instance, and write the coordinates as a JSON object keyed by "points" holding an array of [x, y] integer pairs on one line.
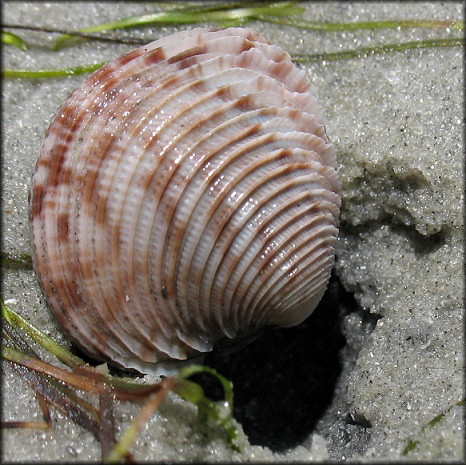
{"points": [[226, 13], [379, 50], [40, 337], [50, 73], [209, 410], [412, 444], [393, 24], [17, 261], [8, 38], [331, 56]]}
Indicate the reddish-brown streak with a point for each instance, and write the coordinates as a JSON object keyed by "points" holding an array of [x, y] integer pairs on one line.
{"points": [[57, 173], [63, 227], [154, 56], [199, 50], [187, 62], [37, 200], [244, 103], [125, 59], [91, 194]]}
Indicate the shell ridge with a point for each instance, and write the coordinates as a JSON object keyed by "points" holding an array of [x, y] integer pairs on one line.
{"points": [[271, 138], [284, 278], [267, 239], [214, 173], [297, 185], [273, 165]]}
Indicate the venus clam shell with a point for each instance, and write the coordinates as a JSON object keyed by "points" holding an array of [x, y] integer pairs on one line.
{"points": [[185, 195]]}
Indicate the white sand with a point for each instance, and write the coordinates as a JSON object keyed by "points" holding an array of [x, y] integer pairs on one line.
{"points": [[396, 121]]}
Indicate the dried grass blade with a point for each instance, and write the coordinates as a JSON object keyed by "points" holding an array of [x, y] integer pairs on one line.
{"points": [[26, 424], [15, 339], [107, 423], [43, 386], [122, 447], [32, 363], [44, 407]]}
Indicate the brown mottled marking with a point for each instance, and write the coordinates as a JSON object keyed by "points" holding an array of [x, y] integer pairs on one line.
{"points": [[50, 204], [199, 50], [255, 129], [58, 174], [68, 294], [169, 82], [100, 74], [101, 310], [38, 193], [198, 86], [188, 62], [67, 117], [95, 158], [224, 93], [243, 60], [285, 153], [116, 239], [154, 56], [247, 45], [272, 111], [110, 84], [87, 271], [244, 103], [125, 59], [277, 69], [92, 195], [102, 211], [295, 114], [149, 178], [290, 169], [63, 227]]}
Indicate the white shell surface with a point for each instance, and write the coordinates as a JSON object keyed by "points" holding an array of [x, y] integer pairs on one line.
{"points": [[186, 194]]}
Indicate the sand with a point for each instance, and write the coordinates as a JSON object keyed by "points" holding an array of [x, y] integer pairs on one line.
{"points": [[383, 355]]}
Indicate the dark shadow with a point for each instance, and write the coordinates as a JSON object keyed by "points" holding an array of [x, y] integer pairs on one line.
{"points": [[284, 381]]}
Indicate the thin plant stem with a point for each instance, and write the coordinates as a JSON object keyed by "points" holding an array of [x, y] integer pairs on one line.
{"points": [[298, 58], [51, 73], [379, 50], [8, 38], [83, 35], [122, 447], [16, 261], [226, 13], [354, 26]]}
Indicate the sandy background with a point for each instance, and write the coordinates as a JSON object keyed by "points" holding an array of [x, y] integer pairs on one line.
{"points": [[383, 355]]}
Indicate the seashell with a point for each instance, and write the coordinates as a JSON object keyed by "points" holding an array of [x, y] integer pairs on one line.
{"points": [[185, 196]]}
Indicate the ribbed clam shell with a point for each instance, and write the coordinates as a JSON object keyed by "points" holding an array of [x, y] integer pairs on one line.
{"points": [[186, 194]]}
